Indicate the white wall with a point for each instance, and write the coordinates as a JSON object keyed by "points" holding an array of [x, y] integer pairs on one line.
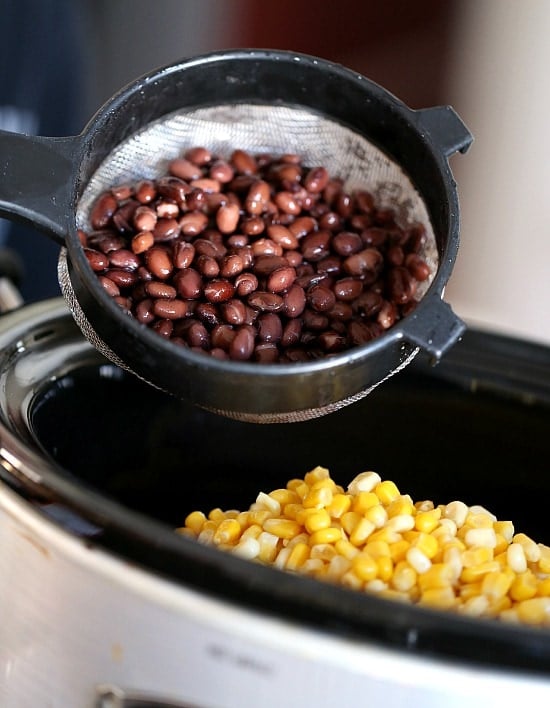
{"points": [[500, 85]]}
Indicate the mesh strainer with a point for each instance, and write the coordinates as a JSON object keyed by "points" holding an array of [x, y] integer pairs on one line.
{"points": [[263, 101]]}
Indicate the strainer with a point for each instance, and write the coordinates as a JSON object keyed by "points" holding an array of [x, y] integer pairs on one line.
{"points": [[260, 100]]}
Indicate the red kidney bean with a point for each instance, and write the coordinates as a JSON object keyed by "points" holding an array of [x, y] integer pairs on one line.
{"points": [[265, 301], [170, 309], [144, 311], [102, 210], [417, 267], [369, 260], [145, 218], [98, 261], [270, 327], [124, 259], [234, 312], [320, 298], [184, 169], [207, 266], [157, 289], [292, 333], [198, 155], [241, 347], [109, 286], [122, 278], [280, 279], [266, 353], [188, 283], [255, 257], [294, 301], [316, 245], [231, 265], [246, 283], [142, 241], [219, 290]]}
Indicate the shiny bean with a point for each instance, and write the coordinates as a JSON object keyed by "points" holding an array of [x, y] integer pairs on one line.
{"points": [[294, 301], [265, 301], [280, 279], [144, 311], [193, 223], [145, 218], [142, 241], [348, 289], [98, 261], [159, 262], [227, 218], [233, 312], [188, 283], [183, 254], [241, 347], [370, 260], [170, 309], [157, 289], [270, 327], [165, 230], [245, 284], [102, 210], [219, 290], [231, 265], [320, 298], [207, 266], [124, 259]]}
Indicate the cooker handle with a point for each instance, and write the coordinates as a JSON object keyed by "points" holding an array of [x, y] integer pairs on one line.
{"points": [[36, 181], [445, 128]]}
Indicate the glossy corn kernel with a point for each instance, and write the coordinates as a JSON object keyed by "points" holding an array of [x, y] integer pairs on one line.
{"points": [[387, 492], [316, 520], [195, 521], [365, 567], [363, 501], [427, 521], [282, 528], [339, 505], [328, 535]]}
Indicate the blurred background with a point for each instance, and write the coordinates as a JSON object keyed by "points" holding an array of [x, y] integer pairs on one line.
{"points": [[61, 59]]}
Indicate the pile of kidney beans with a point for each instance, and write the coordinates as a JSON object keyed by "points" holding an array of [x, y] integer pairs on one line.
{"points": [[256, 257]]}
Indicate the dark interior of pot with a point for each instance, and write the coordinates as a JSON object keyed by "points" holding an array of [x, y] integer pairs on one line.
{"points": [[473, 428]]}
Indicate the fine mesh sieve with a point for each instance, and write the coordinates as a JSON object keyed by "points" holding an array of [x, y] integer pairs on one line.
{"points": [[262, 101]]}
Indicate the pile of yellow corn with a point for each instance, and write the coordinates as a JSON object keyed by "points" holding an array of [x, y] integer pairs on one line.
{"points": [[372, 538]]}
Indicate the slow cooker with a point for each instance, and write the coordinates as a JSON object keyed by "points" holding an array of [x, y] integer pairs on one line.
{"points": [[103, 605]]}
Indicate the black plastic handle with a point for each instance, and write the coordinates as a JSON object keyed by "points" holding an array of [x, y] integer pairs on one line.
{"points": [[444, 128], [37, 176]]}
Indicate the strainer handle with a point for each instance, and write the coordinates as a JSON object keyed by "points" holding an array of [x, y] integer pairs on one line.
{"points": [[445, 128], [436, 329], [37, 175]]}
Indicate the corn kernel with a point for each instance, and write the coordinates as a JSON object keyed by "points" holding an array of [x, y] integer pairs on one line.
{"points": [[282, 528], [475, 606], [292, 484], [228, 531], [398, 550], [385, 534], [401, 505], [282, 557], [328, 535], [318, 498], [377, 514], [441, 598], [323, 551], [385, 568], [346, 548], [400, 522], [316, 474], [475, 572], [440, 575], [312, 566], [364, 482], [501, 544], [387, 492], [195, 521], [292, 510], [365, 566], [427, 521], [543, 589], [269, 545], [317, 519], [252, 531], [485, 537], [337, 567], [298, 556], [361, 532], [349, 521], [496, 584], [515, 556], [426, 505], [284, 496], [479, 520], [216, 515], [248, 548], [351, 581], [476, 556], [376, 586], [535, 610], [259, 516], [339, 505], [418, 560], [532, 550], [377, 549], [456, 511], [302, 490], [506, 528], [544, 560], [404, 577], [524, 586], [479, 509], [427, 544], [265, 501], [363, 501]]}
